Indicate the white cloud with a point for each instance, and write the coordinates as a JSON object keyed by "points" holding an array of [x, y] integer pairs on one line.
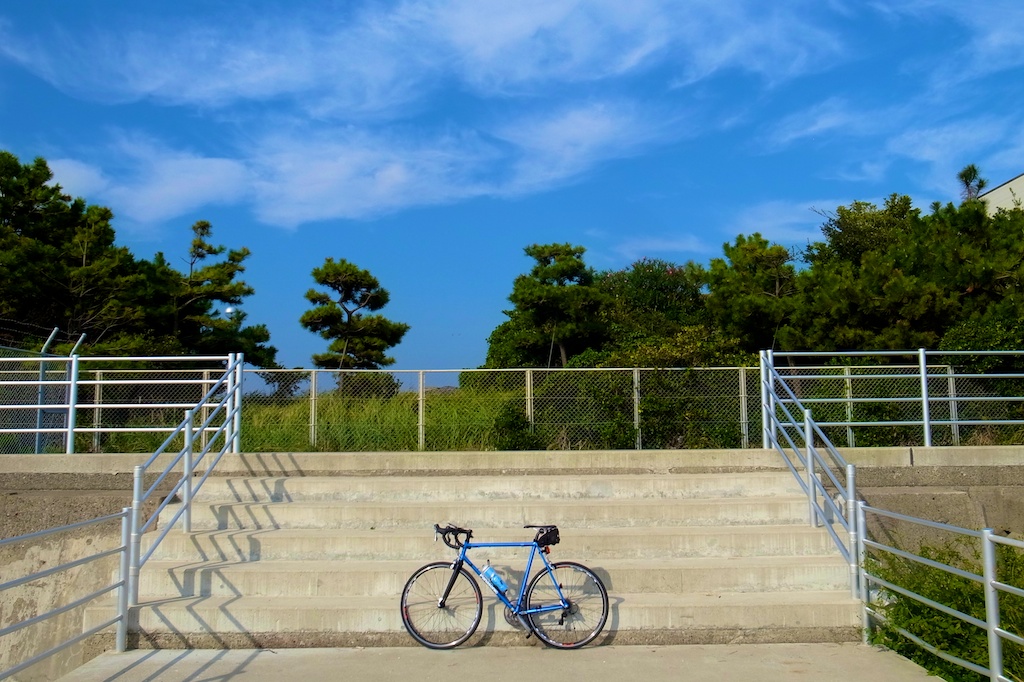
{"points": [[947, 148], [77, 178], [832, 117], [380, 57], [155, 183], [557, 146]]}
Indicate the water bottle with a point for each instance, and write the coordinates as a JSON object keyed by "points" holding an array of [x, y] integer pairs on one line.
{"points": [[493, 578]]}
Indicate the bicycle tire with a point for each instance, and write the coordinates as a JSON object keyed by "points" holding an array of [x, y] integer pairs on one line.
{"points": [[588, 605], [435, 627]]}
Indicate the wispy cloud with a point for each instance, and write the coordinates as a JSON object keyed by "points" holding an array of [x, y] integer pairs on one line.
{"points": [[786, 223], [833, 117], [150, 182], [945, 149]]}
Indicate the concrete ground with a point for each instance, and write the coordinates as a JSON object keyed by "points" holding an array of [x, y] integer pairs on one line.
{"points": [[762, 662]]}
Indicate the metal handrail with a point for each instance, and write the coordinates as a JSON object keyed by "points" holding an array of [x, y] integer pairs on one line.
{"points": [[229, 405], [121, 585], [775, 405]]}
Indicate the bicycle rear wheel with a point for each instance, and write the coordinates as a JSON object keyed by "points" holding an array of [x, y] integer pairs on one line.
{"points": [[583, 619], [447, 626]]}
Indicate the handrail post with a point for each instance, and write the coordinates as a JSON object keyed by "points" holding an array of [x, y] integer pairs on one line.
{"points": [[812, 488], [995, 642], [865, 615], [72, 403], [186, 480], [855, 530], [136, 537], [764, 399], [122, 593], [922, 361]]}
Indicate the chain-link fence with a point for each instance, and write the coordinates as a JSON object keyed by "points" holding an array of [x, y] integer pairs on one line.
{"points": [[579, 409], [130, 406]]}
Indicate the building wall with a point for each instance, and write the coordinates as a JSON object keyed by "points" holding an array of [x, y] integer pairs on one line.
{"points": [[1005, 195]]}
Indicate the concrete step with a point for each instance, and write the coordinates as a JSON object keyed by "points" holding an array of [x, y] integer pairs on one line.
{"points": [[567, 513], [652, 542], [495, 463], [386, 578], [243, 621], [508, 487]]}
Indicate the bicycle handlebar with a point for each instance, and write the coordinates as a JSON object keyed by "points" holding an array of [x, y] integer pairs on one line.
{"points": [[450, 535]]}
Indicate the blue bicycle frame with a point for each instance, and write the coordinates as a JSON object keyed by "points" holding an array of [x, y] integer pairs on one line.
{"points": [[518, 607]]}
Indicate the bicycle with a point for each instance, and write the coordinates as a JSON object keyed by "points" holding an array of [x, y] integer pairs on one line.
{"points": [[565, 604]]}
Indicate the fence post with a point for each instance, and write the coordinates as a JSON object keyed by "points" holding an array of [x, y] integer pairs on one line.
{"points": [[40, 393], [312, 407], [926, 418], [97, 410], [636, 408], [186, 482], [422, 417], [72, 403], [136, 537], [236, 445], [954, 412], [122, 592], [205, 413], [995, 642], [744, 415], [529, 398], [850, 442], [812, 487]]}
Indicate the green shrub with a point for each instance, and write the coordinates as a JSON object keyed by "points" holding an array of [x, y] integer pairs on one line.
{"points": [[945, 632], [512, 430]]}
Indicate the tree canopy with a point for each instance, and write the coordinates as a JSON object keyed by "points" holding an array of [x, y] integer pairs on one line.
{"points": [[886, 277], [358, 340], [61, 267]]}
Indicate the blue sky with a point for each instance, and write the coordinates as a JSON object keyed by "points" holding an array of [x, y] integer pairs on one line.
{"points": [[430, 141]]}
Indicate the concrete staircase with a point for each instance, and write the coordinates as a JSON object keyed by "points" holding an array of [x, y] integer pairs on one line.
{"points": [[313, 549]]}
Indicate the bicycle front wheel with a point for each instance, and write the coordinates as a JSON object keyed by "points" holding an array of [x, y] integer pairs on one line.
{"points": [[585, 614], [437, 625]]}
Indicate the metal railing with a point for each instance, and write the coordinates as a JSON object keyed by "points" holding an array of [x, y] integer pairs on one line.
{"points": [[917, 397], [788, 428], [59, 404], [991, 587], [828, 481], [120, 585], [222, 406]]}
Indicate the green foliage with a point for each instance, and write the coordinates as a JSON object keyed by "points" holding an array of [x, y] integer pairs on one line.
{"points": [[358, 340], [752, 291], [949, 633], [512, 430], [557, 302], [60, 267]]}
